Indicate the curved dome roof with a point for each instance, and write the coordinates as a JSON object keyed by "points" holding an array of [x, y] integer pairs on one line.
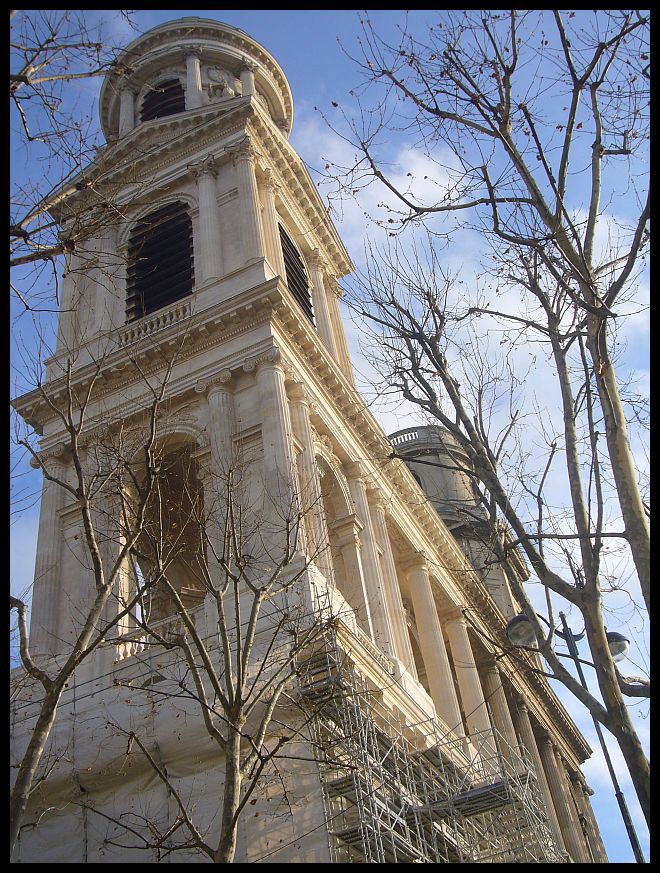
{"points": [[220, 44]]}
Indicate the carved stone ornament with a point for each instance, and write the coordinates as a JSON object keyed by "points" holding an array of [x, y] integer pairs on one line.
{"points": [[271, 356], [221, 378], [192, 50], [220, 82], [243, 150], [247, 64], [201, 168]]}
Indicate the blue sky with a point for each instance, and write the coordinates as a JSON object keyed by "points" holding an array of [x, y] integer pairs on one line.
{"points": [[307, 46]]}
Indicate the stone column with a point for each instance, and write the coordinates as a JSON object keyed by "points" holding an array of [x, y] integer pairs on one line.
{"points": [[244, 155], [499, 708], [370, 561], [310, 486], [320, 301], [209, 224], [528, 740], [126, 109], [272, 241], [46, 589], [400, 635], [247, 71], [194, 98], [469, 685], [276, 434], [579, 823], [562, 802], [580, 815], [583, 793], [68, 302], [432, 645], [343, 355], [346, 536]]}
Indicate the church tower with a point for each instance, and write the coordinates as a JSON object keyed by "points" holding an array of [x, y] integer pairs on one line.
{"points": [[206, 288]]}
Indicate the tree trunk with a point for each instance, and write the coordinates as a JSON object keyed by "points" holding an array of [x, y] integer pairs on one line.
{"points": [[26, 772], [623, 468], [231, 798]]}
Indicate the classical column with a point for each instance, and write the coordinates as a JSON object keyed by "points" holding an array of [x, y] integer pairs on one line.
{"points": [[346, 537], [320, 301], [583, 793], [499, 708], [46, 589], [276, 434], [244, 156], [528, 740], [579, 822], [400, 635], [126, 109], [310, 487], [209, 223], [194, 98], [343, 355], [432, 645], [247, 71], [562, 802], [269, 188], [68, 302], [370, 561], [469, 685]]}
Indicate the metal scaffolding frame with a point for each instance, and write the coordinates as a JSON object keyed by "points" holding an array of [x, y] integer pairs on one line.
{"points": [[399, 793]]}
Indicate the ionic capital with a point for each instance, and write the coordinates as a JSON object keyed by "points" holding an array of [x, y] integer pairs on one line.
{"points": [[354, 470], [298, 393], [269, 181], [417, 561], [270, 358]]}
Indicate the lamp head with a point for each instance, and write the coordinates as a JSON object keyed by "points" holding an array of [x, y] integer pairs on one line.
{"points": [[520, 632], [619, 645]]}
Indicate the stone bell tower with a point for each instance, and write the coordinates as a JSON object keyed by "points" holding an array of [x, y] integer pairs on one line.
{"points": [[206, 276]]}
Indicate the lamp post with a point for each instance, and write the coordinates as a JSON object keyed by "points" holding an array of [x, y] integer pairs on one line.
{"points": [[521, 633]]}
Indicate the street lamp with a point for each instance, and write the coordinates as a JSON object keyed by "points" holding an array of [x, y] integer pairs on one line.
{"points": [[520, 632]]}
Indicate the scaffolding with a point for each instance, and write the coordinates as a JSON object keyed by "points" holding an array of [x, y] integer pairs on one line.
{"points": [[400, 793]]}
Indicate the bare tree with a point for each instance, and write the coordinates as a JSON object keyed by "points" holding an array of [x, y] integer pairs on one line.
{"points": [[223, 611], [50, 50], [505, 109]]}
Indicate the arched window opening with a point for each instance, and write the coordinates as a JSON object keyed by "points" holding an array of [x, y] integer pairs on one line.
{"points": [[167, 98], [296, 275], [160, 260], [173, 538]]}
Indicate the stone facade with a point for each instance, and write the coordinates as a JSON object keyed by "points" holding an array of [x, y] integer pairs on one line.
{"points": [[251, 376]]}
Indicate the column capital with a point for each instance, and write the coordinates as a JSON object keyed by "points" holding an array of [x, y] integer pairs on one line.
{"points": [[347, 531], [317, 261], [454, 614], [417, 561], [244, 150], [268, 359], [192, 51], [354, 470], [125, 87], [297, 392], [248, 65], [269, 181], [207, 166], [211, 384]]}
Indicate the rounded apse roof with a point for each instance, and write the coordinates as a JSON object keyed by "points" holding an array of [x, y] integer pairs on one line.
{"points": [[219, 43]]}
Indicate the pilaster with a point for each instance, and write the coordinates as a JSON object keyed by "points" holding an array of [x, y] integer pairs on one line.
{"points": [[320, 301]]}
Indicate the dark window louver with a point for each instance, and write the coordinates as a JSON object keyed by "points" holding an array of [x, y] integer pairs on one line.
{"points": [[166, 99], [296, 277], [160, 261]]}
